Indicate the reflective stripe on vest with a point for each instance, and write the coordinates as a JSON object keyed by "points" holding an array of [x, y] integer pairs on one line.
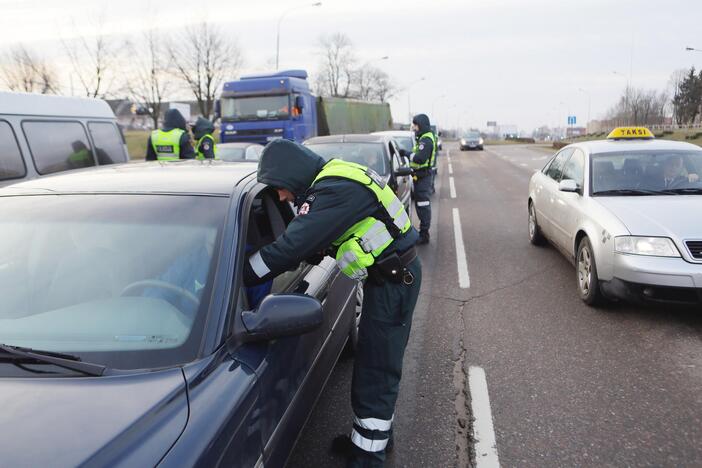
{"points": [[430, 161], [167, 144], [366, 240], [200, 154]]}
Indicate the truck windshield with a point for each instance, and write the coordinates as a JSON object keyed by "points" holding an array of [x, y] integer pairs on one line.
{"points": [[256, 107]]}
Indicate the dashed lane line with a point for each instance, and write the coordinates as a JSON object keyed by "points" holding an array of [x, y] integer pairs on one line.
{"points": [[483, 430], [452, 187], [461, 261], [450, 167]]}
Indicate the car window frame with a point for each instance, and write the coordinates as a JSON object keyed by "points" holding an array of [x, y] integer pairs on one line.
{"points": [[120, 135], [561, 152], [580, 183], [29, 144], [19, 148]]}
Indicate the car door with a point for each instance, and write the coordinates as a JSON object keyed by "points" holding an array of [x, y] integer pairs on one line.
{"points": [[548, 193], [568, 206], [402, 187]]}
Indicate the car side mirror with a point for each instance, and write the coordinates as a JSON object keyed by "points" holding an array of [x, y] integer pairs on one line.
{"points": [[403, 171], [568, 185], [299, 102], [280, 315]]}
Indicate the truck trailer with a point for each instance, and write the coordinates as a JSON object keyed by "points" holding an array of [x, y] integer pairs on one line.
{"points": [[262, 108]]}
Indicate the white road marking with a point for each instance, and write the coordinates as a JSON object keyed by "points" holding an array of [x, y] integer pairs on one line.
{"points": [[452, 187], [483, 430], [523, 164], [448, 156], [461, 261], [450, 166]]}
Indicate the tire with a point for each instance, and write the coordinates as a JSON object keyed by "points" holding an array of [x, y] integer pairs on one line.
{"points": [[586, 274], [535, 235], [352, 343], [480, 148]]}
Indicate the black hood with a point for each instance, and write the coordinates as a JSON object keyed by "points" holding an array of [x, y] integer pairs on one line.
{"points": [[422, 121], [202, 127], [286, 164], [173, 119]]}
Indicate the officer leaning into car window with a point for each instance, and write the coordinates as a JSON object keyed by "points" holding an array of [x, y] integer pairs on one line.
{"points": [[347, 211], [205, 147], [172, 142], [421, 160]]}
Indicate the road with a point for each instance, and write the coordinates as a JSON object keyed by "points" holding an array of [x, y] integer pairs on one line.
{"points": [[566, 384]]}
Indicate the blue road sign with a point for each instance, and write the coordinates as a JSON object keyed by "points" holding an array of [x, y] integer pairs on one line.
{"points": [[571, 120]]}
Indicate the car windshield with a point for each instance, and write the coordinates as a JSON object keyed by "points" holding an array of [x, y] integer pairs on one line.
{"points": [[234, 153], [367, 154], [256, 108], [119, 280], [472, 135], [405, 143], [650, 172]]}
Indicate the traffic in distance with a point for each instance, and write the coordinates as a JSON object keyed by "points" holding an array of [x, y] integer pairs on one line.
{"points": [[207, 260]]}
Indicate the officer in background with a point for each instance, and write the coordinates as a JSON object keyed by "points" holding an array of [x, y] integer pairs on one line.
{"points": [[172, 142], [348, 211], [205, 147], [421, 159]]}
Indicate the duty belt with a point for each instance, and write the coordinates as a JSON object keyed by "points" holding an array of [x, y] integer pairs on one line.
{"points": [[393, 268]]}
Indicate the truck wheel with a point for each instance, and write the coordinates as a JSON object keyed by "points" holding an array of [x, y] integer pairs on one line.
{"points": [[586, 274], [535, 236]]}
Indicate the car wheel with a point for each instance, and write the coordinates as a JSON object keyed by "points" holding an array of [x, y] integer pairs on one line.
{"points": [[480, 148], [586, 274], [535, 236]]}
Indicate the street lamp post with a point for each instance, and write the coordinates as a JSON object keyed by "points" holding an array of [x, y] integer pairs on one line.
{"points": [[692, 49], [280, 19], [589, 105], [409, 104]]}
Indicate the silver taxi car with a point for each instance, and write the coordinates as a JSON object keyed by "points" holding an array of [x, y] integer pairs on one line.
{"points": [[627, 211]]}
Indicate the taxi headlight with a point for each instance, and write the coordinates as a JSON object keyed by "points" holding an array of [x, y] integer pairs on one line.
{"points": [[654, 246]]}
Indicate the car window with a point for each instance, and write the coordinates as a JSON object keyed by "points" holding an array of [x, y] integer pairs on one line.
{"points": [[11, 163], [108, 143], [555, 169], [252, 153], [575, 168], [367, 154], [58, 146]]}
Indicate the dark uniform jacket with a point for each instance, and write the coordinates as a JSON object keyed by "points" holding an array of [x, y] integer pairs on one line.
{"points": [[204, 127], [325, 211], [425, 145], [173, 119]]}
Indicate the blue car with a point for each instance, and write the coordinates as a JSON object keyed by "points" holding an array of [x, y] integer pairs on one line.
{"points": [[127, 337]]}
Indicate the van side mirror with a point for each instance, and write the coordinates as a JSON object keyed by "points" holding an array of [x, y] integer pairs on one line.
{"points": [[299, 102], [280, 315]]}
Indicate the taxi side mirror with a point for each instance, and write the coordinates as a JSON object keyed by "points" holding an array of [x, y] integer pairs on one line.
{"points": [[568, 185]]}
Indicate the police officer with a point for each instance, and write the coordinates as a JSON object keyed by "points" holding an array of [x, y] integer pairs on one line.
{"points": [[172, 142], [347, 211], [205, 147], [421, 159]]}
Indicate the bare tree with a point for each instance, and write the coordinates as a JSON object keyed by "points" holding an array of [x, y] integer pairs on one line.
{"points": [[203, 57], [370, 84], [382, 86], [25, 71], [337, 65], [148, 79], [639, 107], [93, 58]]}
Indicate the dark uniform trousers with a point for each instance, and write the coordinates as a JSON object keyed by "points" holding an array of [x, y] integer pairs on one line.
{"points": [[383, 333], [422, 193]]}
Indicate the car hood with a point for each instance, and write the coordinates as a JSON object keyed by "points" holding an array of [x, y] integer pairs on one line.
{"points": [[124, 420], [675, 216]]}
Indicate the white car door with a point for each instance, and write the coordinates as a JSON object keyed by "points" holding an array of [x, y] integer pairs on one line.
{"points": [[547, 192], [568, 205]]}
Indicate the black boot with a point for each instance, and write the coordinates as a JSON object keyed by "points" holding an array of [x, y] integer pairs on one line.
{"points": [[423, 238]]}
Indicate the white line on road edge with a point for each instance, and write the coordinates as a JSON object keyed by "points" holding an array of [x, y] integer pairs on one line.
{"points": [[452, 187], [450, 166], [448, 156], [461, 262], [483, 431]]}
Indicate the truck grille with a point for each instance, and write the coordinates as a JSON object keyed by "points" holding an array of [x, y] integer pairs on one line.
{"points": [[695, 248]]}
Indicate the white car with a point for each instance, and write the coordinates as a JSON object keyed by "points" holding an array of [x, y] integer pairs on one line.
{"points": [[627, 212]]}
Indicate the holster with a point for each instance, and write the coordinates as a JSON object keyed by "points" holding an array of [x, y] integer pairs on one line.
{"points": [[393, 268]]}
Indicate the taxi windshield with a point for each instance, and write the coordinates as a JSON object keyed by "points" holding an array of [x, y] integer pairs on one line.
{"points": [[646, 172], [119, 280]]}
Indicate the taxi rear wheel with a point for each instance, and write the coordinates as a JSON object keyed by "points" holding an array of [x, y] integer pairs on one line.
{"points": [[535, 236], [586, 274]]}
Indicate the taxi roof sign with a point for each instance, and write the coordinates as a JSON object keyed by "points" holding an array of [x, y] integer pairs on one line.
{"points": [[630, 133]]}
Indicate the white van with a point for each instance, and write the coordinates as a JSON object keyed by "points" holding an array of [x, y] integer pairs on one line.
{"points": [[41, 135]]}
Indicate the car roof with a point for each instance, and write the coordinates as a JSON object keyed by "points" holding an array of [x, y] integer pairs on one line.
{"points": [[396, 133], [613, 146], [53, 106], [238, 144], [181, 177], [349, 138]]}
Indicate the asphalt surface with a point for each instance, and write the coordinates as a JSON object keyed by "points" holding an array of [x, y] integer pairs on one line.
{"points": [[568, 385]]}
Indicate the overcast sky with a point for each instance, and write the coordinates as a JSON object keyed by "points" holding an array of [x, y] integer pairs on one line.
{"points": [[513, 61]]}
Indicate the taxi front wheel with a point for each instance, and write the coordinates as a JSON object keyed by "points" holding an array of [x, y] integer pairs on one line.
{"points": [[586, 274], [535, 236]]}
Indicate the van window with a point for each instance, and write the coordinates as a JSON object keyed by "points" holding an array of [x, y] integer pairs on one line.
{"points": [[58, 146], [11, 164], [108, 143]]}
